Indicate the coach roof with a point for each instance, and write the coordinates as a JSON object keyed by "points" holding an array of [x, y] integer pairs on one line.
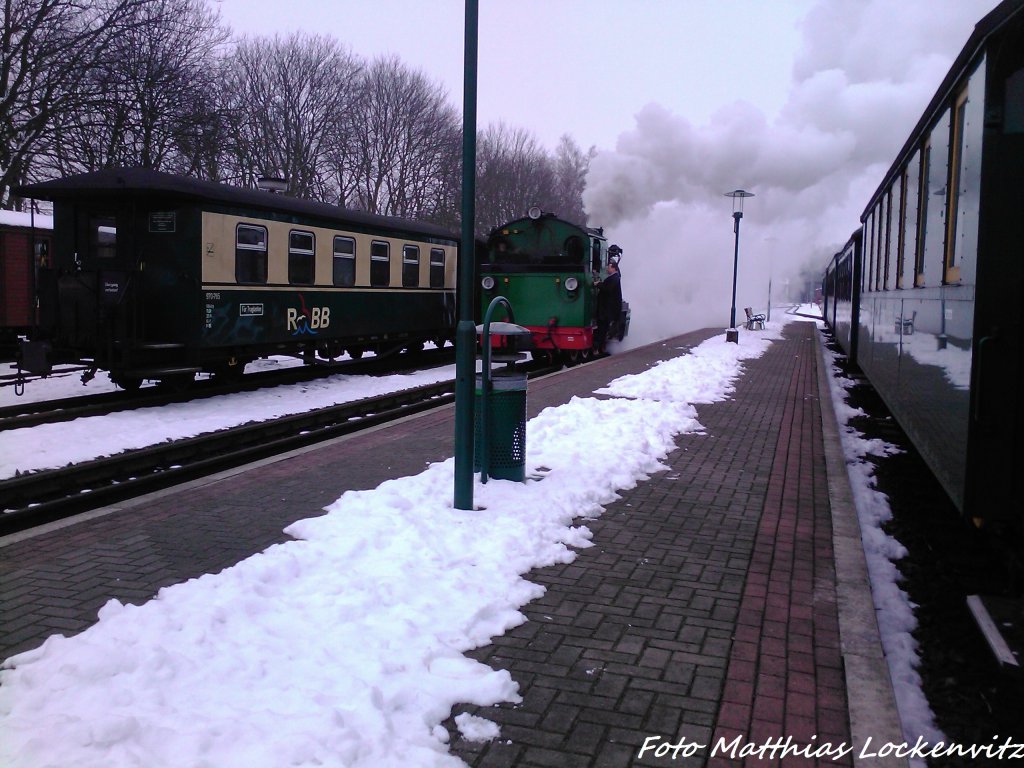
{"points": [[143, 182]]}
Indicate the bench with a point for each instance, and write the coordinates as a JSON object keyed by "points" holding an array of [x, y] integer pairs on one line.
{"points": [[754, 322], [905, 325]]}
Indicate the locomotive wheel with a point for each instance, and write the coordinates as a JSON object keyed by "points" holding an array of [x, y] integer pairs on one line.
{"points": [[355, 352], [572, 357]]}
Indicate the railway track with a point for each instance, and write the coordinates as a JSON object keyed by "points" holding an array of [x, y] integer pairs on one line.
{"points": [[36, 498], [40, 497], [30, 414]]}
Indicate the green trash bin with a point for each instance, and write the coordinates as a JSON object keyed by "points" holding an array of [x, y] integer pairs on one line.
{"points": [[506, 426]]}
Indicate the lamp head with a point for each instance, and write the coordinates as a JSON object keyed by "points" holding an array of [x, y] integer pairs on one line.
{"points": [[738, 196]]}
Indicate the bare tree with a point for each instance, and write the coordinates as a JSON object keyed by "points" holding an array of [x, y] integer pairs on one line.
{"points": [[406, 146], [47, 47], [148, 94], [287, 100], [205, 143], [571, 166], [513, 173]]}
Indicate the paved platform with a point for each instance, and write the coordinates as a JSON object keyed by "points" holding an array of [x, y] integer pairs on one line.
{"points": [[710, 610]]}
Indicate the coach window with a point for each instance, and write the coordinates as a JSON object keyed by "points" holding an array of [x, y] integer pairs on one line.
{"points": [[951, 272], [934, 234], [250, 254], [879, 238], [869, 251], [911, 190], [969, 197], [896, 237], [436, 268], [410, 266], [344, 261], [104, 236], [922, 212], [886, 243], [380, 263], [301, 258]]}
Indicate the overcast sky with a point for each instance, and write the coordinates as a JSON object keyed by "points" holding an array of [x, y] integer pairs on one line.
{"points": [[803, 102]]}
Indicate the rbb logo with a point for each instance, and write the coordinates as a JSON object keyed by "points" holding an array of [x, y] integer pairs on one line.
{"points": [[300, 322]]}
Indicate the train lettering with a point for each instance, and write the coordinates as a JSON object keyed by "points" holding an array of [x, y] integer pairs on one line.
{"points": [[298, 322]]}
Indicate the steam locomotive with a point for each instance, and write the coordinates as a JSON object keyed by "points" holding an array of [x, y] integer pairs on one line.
{"points": [[551, 271]]}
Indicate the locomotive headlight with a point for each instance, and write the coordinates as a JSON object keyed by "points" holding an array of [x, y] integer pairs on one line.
{"points": [[571, 283], [487, 283]]}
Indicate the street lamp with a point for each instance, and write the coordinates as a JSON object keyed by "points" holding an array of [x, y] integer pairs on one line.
{"points": [[737, 195]]}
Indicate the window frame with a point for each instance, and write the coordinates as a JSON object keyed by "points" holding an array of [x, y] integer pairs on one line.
{"points": [[301, 259], [901, 239], [410, 266], [437, 268], [958, 121], [337, 256], [376, 260], [250, 249], [103, 249], [923, 180]]}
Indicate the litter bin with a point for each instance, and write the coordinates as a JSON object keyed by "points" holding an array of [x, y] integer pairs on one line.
{"points": [[505, 457]]}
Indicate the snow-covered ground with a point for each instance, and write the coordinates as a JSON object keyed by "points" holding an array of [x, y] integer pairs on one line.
{"points": [[345, 646], [896, 620]]}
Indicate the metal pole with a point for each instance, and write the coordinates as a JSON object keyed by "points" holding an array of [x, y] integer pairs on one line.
{"points": [[769, 317], [735, 267], [465, 331]]}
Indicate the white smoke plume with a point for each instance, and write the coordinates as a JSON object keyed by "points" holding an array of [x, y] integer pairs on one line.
{"points": [[864, 74]]}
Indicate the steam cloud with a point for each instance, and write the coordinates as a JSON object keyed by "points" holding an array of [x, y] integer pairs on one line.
{"points": [[864, 74]]}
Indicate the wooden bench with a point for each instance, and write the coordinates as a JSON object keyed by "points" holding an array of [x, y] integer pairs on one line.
{"points": [[754, 322], [905, 325]]}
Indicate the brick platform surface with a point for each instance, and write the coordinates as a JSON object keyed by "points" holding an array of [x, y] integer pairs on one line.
{"points": [[705, 610]]}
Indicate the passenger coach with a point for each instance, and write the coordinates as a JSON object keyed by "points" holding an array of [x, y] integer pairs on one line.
{"points": [[157, 276], [927, 298]]}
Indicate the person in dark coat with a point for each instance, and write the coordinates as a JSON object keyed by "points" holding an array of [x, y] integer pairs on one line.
{"points": [[609, 307]]}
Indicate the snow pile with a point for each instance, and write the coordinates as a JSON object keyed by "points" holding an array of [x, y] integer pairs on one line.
{"points": [[699, 377], [344, 647], [893, 608]]}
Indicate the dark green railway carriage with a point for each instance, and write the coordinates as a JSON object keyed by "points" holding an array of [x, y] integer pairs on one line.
{"points": [[931, 304], [156, 276], [550, 269]]}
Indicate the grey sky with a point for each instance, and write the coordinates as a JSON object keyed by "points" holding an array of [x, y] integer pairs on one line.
{"points": [[579, 66]]}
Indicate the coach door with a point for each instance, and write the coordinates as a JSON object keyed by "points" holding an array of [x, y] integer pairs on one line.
{"points": [[105, 268]]}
